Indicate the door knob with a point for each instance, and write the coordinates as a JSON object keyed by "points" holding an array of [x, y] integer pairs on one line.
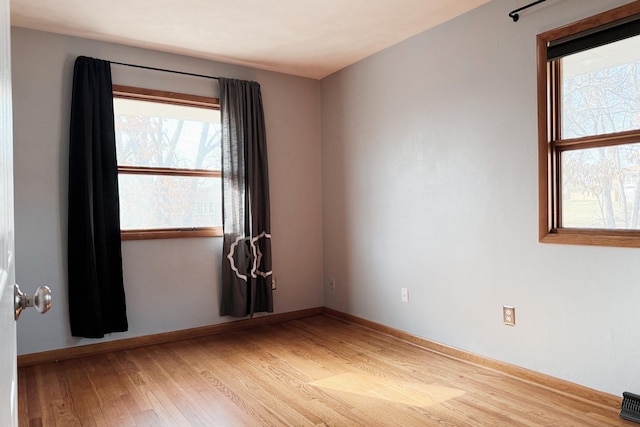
{"points": [[41, 300]]}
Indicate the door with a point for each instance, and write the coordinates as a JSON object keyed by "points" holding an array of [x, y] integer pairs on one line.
{"points": [[8, 375]]}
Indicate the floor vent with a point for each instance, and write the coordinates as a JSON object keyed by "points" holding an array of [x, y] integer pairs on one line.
{"points": [[630, 407]]}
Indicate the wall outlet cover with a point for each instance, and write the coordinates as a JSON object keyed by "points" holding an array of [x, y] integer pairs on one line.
{"points": [[509, 315]]}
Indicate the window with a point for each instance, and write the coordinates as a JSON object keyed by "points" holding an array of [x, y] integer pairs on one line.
{"points": [[169, 162], [589, 130]]}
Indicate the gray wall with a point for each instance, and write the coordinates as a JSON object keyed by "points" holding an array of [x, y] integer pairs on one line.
{"points": [[430, 182], [170, 284]]}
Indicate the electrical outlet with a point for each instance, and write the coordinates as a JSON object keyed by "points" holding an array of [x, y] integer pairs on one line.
{"points": [[509, 315], [332, 284], [273, 283], [404, 295]]}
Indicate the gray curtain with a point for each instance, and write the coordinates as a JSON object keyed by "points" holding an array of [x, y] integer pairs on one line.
{"points": [[246, 259]]}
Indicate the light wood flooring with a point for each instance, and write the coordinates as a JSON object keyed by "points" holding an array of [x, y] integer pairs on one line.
{"points": [[318, 371]]}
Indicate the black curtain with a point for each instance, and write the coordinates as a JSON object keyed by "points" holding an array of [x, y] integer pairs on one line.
{"points": [[96, 291], [246, 259]]}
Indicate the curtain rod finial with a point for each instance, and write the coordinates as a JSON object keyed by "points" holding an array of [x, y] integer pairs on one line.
{"points": [[514, 13]]}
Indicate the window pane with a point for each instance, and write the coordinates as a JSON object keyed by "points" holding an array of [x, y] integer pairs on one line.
{"points": [[601, 89], [165, 135], [161, 201], [600, 187]]}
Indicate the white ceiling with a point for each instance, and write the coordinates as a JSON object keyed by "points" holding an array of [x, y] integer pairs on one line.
{"points": [[301, 37]]}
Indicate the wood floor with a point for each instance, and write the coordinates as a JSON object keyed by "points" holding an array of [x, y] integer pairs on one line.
{"points": [[317, 371]]}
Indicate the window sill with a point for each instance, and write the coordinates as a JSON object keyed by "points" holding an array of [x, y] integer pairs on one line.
{"points": [[593, 237], [171, 233]]}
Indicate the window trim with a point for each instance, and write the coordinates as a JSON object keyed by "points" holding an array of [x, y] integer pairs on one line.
{"points": [[548, 147], [136, 93]]}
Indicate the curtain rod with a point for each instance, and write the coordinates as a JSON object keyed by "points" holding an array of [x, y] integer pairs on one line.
{"points": [[514, 13], [184, 73]]}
